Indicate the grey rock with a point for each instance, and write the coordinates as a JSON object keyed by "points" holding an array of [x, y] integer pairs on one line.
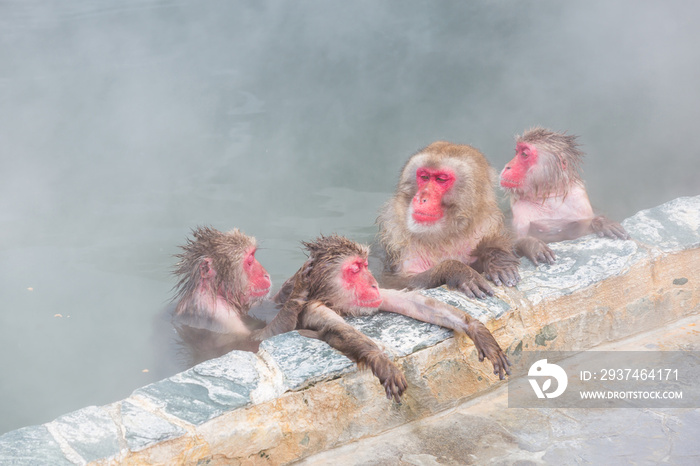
{"points": [[304, 361], [89, 431], [143, 428], [482, 309], [31, 446], [580, 263], [208, 389], [401, 334], [673, 226]]}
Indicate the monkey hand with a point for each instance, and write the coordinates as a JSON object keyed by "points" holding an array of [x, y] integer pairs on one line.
{"points": [[394, 384], [534, 249], [487, 347], [469, 281], [388, 374], [501, 267], [605, 227]]}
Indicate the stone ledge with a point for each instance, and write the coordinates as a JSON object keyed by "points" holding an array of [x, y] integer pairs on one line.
{"points": [[298, 396]]}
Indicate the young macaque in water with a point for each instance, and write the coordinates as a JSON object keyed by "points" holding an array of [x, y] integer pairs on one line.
{"points": [[220, 281], [335, 281], [547, 195], [443, 224]]}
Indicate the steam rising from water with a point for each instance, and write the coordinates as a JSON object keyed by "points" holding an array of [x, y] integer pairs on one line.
{"points": [[124, 125]]}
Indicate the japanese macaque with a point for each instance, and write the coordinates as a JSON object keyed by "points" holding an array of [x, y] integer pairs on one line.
{"points": [[219, 281], [443, 224], [335, 281], [548, 199]]}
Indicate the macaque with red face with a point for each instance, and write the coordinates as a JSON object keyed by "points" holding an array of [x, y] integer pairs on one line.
{"points": [[548, 199], [443, 224], [335, 281], [220, 280]]}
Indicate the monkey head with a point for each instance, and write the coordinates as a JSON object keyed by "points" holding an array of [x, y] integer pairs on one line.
{"points": [[440, 185], [545, 163], [220, 266], [337, 274]]}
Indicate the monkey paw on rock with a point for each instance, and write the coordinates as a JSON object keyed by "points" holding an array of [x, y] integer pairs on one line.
{"points": [[534, 249], [606, 227], [501, 267], [487, 347]]}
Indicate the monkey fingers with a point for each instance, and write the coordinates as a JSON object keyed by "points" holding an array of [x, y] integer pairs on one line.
{"points": [[605, 227], [389, 375], [471, 284], [487, 346], [395, 385], [502, 268], [534, 249]]}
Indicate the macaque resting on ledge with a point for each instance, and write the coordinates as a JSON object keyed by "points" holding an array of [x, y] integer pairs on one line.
{"points": [[335, 281], [443, 225], [547, 195]]}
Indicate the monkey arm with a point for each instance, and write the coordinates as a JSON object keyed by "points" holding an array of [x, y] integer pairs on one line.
{"points": [[325, 324], [295, 297], [425, 309], [535, 250], [603, 226], [456, 275]]}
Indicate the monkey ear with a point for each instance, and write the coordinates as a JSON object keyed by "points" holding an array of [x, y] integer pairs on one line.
{"points": [[563, 165], [206, 270]]}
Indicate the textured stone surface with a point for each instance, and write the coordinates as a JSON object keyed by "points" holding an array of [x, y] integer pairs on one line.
{"points": [[482, 309], [304, 361], [143, 428], [207, 390], [580, 263], [401, 335], [672, 226], [91, 432], [31, 446]]}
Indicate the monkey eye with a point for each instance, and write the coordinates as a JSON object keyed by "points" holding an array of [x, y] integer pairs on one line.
{"points": [[441, 179], [251, 257], [424, 177]]}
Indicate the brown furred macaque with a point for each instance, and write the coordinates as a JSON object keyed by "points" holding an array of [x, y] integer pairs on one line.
{"points": [[335, 281], [443, 224], [547, 195], [220, 280]]}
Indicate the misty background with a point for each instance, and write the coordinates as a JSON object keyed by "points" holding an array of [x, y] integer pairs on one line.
{"points": [[123, 125]]}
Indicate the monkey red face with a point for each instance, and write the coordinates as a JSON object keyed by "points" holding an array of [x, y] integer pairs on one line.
{"points": [[258, 279], [359, 281], [433, 184], [513, 175]]}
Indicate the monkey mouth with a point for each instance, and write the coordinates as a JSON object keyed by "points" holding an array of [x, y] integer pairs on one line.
{"points": [[258, 292], [506, 183], [421, 217], [373, 303]]}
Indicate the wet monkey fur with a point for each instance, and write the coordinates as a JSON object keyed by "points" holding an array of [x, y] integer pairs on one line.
{"points": [[335, 281], [443, 224], [547, 195], [220, 280]]}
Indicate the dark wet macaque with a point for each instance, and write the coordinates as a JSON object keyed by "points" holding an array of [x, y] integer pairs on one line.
{"points": [[335, 281], [548, 197], [219, 281], [443, 224]]}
